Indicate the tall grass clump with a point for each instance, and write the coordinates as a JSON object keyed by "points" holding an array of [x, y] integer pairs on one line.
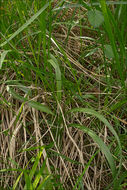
{"points": [[63, 94]]}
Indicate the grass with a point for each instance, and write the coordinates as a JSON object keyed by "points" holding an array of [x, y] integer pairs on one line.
{"points": [[63, 95]]}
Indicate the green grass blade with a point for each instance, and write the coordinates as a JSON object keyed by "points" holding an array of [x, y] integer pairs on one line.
{"points": [[31, 103], [55, 64], [10, 170], [19, 177], [86, 167], [32, 172], [101, 144], [118, 105], [112, 3], [105, 121], [32, 148], [120, 38], [3, 55], [27, 182], [17, 181], [40, 107], [122, 179], [64, 157], [67, 61], [26, 24], [38, 176], [44, 182], [112, 40], [67, 6]]}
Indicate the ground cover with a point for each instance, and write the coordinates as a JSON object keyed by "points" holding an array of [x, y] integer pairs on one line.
{"points": [[63, 94]]}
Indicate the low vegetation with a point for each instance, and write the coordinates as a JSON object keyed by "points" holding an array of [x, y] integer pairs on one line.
{"points": [[63, 95]]}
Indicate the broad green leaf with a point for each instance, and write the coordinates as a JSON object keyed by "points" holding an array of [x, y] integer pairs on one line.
{"points": [[108, 51], [26, 24], [3, 55], [95, 18]]}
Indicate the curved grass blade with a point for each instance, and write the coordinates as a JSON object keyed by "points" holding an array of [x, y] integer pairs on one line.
{"points": [[105, 121], [67, 61], [101, 144], [55, 64], [3, 55]]}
